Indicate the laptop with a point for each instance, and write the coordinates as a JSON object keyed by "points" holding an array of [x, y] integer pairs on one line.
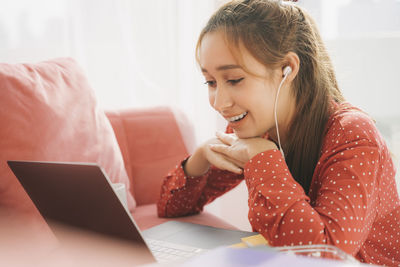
{"points": [[81, 195]]}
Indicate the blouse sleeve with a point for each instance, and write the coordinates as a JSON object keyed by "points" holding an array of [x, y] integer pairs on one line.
{"points": [[184, 195], [344, 187]]}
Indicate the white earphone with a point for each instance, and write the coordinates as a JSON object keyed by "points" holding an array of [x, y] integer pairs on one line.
{"points": [[286, 71]]}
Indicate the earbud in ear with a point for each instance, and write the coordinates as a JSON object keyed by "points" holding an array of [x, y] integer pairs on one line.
{"points": [[286, 71]]}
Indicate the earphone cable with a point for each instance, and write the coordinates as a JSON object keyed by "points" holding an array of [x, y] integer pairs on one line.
{"points": [[276, 117]]}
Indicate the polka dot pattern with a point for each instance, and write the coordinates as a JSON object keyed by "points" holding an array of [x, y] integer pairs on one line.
{"points": [[352, 202], [184, 195]]}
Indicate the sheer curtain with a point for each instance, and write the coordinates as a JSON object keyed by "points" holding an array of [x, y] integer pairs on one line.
{"points": [[135, 53]]}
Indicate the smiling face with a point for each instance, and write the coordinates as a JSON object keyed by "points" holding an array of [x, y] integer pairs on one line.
{"points": [[244, 99]]}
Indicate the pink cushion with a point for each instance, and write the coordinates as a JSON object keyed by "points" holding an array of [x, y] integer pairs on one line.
{"points": [[48, 112], [152, 144], [146, 217]]}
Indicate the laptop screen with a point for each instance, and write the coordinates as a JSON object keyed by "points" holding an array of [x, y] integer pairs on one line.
{"points": [[78, 195]]}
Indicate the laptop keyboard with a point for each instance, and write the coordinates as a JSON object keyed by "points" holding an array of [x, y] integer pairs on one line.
{"points": [[165, 251]]}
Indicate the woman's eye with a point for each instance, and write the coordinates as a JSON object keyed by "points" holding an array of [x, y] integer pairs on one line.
{"points": [[211, 83], [234, 82]]}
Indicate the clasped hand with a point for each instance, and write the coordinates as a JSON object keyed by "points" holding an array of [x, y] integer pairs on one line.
{"points": [[228, 152]]}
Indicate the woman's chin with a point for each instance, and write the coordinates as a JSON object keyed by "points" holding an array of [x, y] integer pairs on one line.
{"points": [[245, 135]]}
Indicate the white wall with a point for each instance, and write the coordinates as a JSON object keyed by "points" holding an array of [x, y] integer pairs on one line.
{"points": [[368, 73]]}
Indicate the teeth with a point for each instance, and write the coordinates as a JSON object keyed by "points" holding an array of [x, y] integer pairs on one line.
{"points": [[238, 117]]}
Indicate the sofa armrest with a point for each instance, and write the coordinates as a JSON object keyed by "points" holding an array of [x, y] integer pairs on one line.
{"points": [[152, 142]]}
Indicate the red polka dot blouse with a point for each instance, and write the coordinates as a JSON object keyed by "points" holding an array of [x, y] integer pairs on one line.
{"points": [[352, 202]]}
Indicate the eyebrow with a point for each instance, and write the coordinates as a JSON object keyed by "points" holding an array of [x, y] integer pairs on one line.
{"points": [[224, 67]]}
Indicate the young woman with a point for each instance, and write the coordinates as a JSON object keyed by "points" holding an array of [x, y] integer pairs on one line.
{"points": [[316, 168]]}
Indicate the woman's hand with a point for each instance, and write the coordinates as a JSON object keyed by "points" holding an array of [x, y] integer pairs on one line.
{"points": [[226, 152], [240, 151], [220, 160], [204, 156]]}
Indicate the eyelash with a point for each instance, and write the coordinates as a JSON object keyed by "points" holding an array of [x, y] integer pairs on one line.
{"points": [[232, 82], [210, 83]]}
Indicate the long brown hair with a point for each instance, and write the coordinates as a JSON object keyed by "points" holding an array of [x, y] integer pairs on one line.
{"points": [[269, 30]]}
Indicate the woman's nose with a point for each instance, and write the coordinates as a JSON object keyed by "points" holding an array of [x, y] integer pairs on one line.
{"points": [[222, 99]]}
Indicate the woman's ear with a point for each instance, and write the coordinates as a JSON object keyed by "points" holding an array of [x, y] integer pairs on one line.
{"points": [[291, 61]]}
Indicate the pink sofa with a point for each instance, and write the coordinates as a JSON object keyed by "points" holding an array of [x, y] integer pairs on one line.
{"points": [[49, 112], [152, 142]]}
